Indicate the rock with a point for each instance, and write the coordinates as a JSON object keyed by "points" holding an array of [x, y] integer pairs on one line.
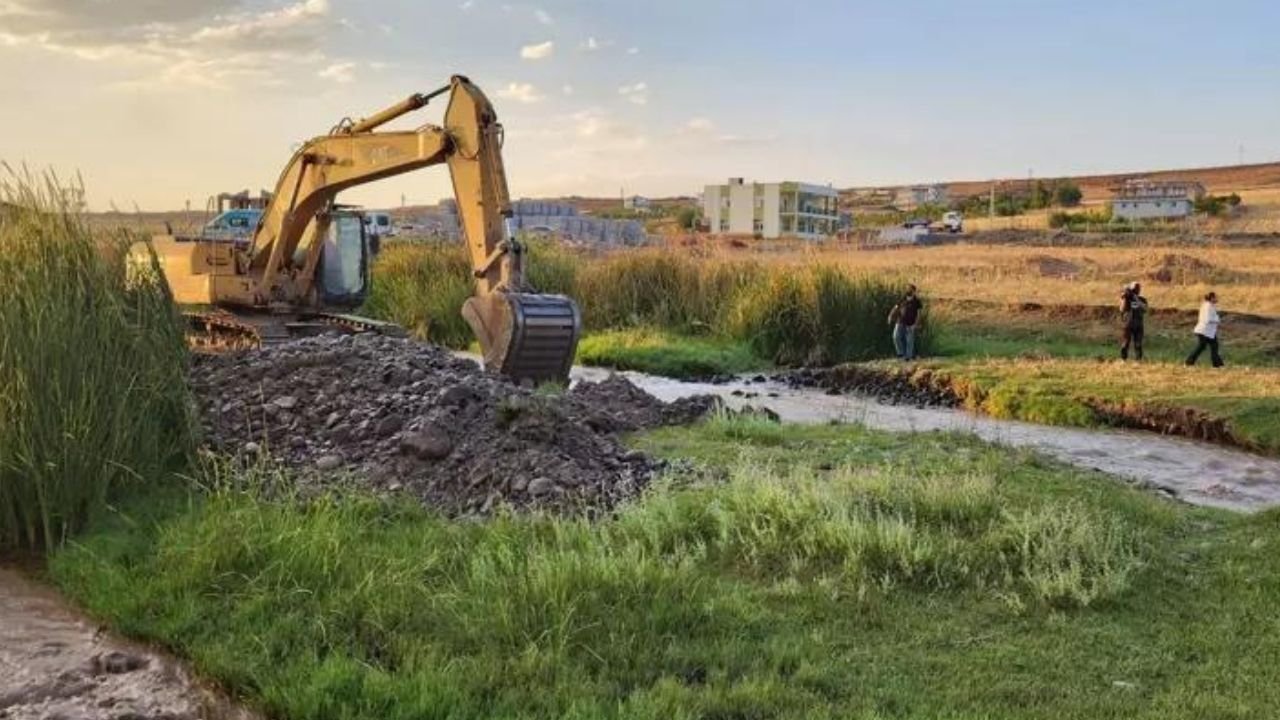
{"points": [[327, 463], [117, 663], [390, 424], [252, 448], [285, 402], [456, 395], [430, 443], [541, 486]]}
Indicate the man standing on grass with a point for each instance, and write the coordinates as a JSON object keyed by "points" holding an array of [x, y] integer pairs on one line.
{"points": [[1133, 311], [905, 318]]}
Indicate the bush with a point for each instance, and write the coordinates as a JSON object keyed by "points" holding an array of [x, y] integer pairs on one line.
{"points": [[422, 288], [1067, 194], [92, 372]]}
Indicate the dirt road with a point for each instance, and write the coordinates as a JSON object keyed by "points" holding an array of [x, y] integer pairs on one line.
{"points": [[1198, 473], [56, 664]]}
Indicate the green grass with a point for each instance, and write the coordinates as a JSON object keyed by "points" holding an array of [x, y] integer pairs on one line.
{"points": [[92, 372], [663, 353], [828, 572]]}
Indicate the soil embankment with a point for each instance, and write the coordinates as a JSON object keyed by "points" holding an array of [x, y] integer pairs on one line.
{"points": [[926, 387]]}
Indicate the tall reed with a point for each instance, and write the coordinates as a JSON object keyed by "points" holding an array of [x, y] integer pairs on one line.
{"points": [[790, 316], [92, 372]]}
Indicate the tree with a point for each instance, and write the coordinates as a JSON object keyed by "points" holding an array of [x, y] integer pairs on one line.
{"points": [[1068, 194], [687, 218]]}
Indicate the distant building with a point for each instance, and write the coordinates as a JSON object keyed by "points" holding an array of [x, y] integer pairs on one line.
{"points": [[910, 198], [771, 210], [1155, 200], [636, 202], [541, 217], [243, 201]]}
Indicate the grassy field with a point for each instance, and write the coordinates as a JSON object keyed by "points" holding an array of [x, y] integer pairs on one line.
{"points": [[828, 572]]}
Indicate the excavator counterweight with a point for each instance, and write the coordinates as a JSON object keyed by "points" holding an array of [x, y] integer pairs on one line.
{"points": [[305, 267]]}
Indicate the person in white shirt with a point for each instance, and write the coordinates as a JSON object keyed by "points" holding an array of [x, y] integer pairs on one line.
{"points": [[1207, 331]]}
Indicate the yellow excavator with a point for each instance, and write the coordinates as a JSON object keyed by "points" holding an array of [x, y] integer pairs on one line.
{"points": [[308, 262]]}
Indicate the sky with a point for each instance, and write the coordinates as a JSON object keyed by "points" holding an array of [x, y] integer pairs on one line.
{"points": [[157, 103]]}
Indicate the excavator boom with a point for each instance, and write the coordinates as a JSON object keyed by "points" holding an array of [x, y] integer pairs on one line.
{"points": [[523, 334]]}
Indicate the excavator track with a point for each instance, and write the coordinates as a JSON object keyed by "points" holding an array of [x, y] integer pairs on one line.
{"points": [[224, 332]]}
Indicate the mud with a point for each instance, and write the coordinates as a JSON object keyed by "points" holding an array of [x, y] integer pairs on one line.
{"points": [[55, 664], [1195, 472], [1185, 270], [404, 417]]}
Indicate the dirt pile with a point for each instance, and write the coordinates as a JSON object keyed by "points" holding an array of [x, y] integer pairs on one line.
{"points": [[401, 416], [1183, 269], [1055, 267]]}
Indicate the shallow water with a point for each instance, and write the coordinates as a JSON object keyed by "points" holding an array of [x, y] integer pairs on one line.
{"points": [[56, 664], [1196, 472]]}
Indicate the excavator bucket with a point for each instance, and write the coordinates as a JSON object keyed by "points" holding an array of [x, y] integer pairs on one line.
{"points": [[526, 336]]}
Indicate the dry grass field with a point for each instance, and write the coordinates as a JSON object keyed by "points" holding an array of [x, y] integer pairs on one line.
{"points": [[1174, 276]]}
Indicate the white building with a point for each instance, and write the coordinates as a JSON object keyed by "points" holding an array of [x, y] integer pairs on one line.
{"points": [[910, 198], [636, 202], [771, 210], [1155, 200]]}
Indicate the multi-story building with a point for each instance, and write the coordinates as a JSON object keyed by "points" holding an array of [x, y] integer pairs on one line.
{"points": [[1152, 199], [771, 210]]}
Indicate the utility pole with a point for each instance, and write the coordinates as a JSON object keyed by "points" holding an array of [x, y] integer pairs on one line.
{"points": [[991, 208]]}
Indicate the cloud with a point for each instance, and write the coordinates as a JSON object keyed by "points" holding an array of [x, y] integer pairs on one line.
{"points": [[520, 92], [633, 51], [207, 43], [543, 17], [567, 89], [698, 125], [292, 24], [468, 4], [596, 132], [637, 93], [540, 51], [591, 44], [339, 72]]}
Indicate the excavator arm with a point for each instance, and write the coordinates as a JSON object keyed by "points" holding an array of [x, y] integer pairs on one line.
{"points": [[522, 334]]}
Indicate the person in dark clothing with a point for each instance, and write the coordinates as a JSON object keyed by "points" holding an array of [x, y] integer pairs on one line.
{"points": [[905, 319], [1207, 331], [1133, 311]]}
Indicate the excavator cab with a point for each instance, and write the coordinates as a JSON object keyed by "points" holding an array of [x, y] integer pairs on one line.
{"points": [[345, 259]]}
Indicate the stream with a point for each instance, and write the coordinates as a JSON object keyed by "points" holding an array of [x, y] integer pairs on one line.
{"points": [[56, 664], [1195, 472]]}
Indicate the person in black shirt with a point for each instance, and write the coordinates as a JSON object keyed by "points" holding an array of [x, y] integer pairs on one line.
{"points": [[905, 319], [1133, 311]]}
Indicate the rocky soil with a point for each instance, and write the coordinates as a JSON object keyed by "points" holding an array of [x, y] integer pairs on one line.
{"points": [[402, 416]]}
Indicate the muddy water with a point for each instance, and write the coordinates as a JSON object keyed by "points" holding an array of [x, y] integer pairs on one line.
{"points": [[56, 664], [1198, 473]]}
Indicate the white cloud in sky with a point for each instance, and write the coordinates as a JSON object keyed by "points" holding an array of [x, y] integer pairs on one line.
{"points": [[339, 72], [542, 16], [699, 125], [633, 51], [567, 89], [520, 92], [540, 51], [637, 93]]}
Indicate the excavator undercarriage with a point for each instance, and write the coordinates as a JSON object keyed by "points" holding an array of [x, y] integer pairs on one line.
{"points": [[306, 269]]}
